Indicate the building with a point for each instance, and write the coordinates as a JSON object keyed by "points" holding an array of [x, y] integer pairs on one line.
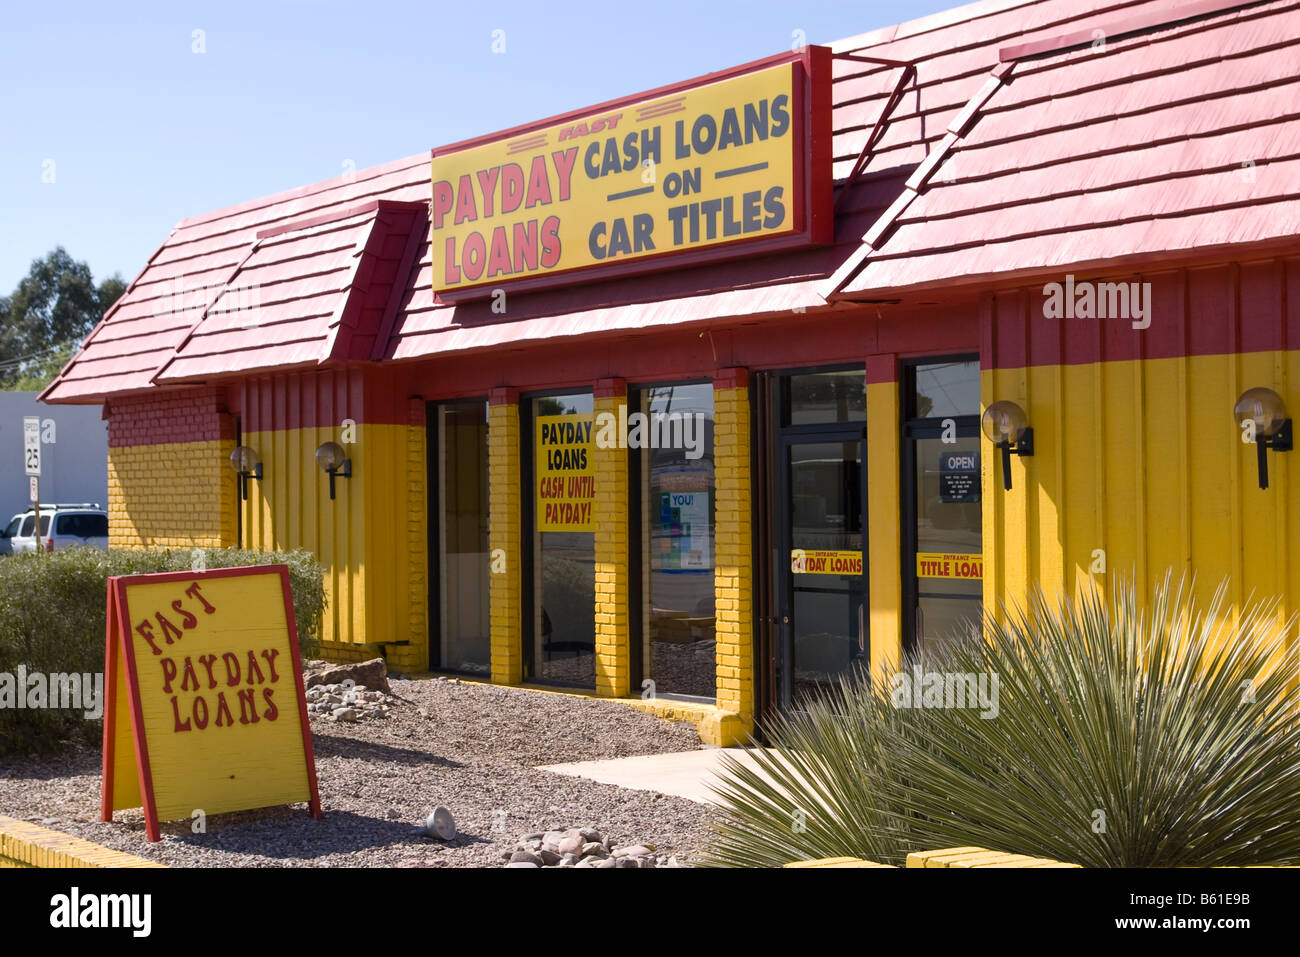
{"points": [[812, 295], [74, 449]]}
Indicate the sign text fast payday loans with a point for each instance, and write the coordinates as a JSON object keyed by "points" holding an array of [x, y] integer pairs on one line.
{"points": [[703, 167]]}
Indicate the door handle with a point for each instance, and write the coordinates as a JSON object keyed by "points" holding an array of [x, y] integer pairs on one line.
{"points": [[862, 629]]}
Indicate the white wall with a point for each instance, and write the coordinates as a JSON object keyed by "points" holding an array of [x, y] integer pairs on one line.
{"points": [[74, 468]]}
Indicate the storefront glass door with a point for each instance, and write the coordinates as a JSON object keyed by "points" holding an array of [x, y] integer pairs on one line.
{"points": [[820, 490], [824, 617], [458, 442]]}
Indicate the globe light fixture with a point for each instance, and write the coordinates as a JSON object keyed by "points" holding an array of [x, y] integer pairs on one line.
{"points": [[333, 462], [1007, 427], [1262, 418], [247, 465]]}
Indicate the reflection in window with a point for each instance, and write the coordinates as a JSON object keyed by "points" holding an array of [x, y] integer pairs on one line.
{"points": [[828, 397], [565, 566], [947, 489], [463, 441], [678, 540]]}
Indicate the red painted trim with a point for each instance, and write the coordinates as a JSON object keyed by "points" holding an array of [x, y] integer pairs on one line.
{"points": [[503, 396], [170, 417], [402, 283], [736, 377], [1163, 16], [110, 704], [610, 389], [143, 769], [882, 368]]}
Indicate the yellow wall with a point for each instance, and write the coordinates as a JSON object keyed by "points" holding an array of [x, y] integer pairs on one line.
{"points": [[371, 538], [733, 569], [610, 518], [1142, 460], [884, 525], [504, 543], [171, 495]]}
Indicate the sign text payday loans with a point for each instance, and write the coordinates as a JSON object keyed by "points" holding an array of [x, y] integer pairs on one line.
{"points": [[227, 672], [707, 166]]}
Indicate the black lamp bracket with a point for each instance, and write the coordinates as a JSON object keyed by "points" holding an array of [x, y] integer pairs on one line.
{"points": [[1278, 442], [1025, 446], [343, 471], [256, 474]]}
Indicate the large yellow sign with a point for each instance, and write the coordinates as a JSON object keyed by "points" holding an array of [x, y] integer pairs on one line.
{"points": [[205, 711], [703, 167], [566, 475]]}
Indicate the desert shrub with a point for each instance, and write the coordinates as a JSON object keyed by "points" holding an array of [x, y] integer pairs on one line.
{"points": [[52, 621], [1123, 736]]}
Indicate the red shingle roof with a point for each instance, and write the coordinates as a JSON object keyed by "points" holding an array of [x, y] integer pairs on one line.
{"points": [[1153, 143], [1062, 157]]}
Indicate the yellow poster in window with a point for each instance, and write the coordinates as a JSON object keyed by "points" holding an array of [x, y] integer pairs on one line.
{"points": [[566, 477]]}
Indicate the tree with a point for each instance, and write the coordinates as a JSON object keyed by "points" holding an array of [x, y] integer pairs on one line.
{"points": [[55, 305]]}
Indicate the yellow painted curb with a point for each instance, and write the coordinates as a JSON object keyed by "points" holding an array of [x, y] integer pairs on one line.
{"points": [[839, 862], [23, 844], [714, 725]]}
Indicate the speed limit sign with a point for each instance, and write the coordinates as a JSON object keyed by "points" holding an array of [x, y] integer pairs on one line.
{"points": [[32, 444]]}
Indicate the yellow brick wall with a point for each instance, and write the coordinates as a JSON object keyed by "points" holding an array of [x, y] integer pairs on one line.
{"points": [[733, 574], [504, 539], [610, 517], [173, 495], [414, 655]]}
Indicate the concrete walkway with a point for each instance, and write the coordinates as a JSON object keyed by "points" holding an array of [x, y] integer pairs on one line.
{"points": [[682, 773]]}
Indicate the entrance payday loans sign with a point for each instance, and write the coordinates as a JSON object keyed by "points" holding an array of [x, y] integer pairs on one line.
{"points": [[710, 169], [205, 709]]}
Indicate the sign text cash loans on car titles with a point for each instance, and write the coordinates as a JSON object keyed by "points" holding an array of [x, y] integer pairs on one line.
{"points": [[697, 168]]}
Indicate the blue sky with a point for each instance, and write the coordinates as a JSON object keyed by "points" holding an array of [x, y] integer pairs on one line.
{"points": [[138, 131]]}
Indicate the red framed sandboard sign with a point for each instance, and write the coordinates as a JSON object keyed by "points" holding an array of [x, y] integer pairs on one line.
{"points": [[205, 709]]}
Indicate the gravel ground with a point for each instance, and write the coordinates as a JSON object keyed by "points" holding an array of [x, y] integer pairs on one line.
{"points": [[473, 750]]}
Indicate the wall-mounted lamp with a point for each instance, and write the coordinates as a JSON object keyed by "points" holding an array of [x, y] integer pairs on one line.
{"points": [[248, 465], [1007, 427], [1261, 415], [331, 459]]}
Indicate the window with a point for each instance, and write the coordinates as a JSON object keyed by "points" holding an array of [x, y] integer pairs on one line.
{"points": [[459, 434], [30, 521], [671, 466], [563, 539], [82, 525], [943, 530]]}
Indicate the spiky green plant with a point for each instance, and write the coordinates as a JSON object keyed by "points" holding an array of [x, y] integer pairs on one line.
{"points": [[1123, 736]]}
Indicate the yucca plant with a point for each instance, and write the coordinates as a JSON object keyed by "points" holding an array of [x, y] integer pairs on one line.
{"points": [[1119, 735]]}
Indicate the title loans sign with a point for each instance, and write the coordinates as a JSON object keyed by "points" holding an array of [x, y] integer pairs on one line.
{"points": [[706, 166], [205, 708]]}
